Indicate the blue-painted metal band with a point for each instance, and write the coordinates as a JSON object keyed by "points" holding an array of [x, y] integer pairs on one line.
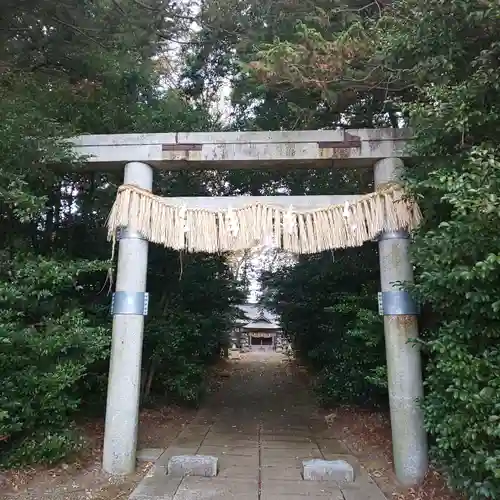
{"points": [[394, 235], [125, 233], [130, 303], [398, 303]]}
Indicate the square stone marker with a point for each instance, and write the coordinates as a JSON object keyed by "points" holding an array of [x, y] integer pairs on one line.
{"points": [[156, 487], [192, 465], [328, 470], [173, 451]]}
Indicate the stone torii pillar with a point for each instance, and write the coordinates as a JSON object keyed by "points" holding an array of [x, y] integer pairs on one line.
{"points": [[129, 308], [403, 357]]}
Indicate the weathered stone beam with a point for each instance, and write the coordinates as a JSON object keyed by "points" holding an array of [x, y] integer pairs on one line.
{"points": [[229, 150]]}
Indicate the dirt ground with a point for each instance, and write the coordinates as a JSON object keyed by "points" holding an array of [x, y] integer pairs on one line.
{"points": [[83, 478], [366, 434]]}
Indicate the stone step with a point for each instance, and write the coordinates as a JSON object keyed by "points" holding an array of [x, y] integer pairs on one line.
{"points": [[193, 465], [327, 470]]}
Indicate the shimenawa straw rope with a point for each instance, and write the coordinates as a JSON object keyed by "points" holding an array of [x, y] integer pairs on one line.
{"points": [[163, 221]]}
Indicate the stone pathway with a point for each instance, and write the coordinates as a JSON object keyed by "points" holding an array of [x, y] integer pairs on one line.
{"points": [[261, 425]]}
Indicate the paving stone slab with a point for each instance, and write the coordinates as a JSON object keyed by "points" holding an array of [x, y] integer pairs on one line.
{"points": [[195, 431], [149, 454], [290, 471], [193, 465], [365, 493], [283, 428], [328, 470], [239, 471], [291, 496], [260, 399], [229, 441], [156, 486], [250, 429], [198, 488], [272, 488], [299, 497], [249, 461], [332, 447], [187, 441], [290, 453], [250, 451], [301, 446]]}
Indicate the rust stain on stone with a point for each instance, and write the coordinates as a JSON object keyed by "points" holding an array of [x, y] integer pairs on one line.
{"points": [[406, 324], [339, 149], [182, 155], [341, 153], [350, 141], [181, 147]]}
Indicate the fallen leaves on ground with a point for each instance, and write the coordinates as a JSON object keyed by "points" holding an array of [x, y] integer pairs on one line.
{"points": [[368, 435], [157, 428]]}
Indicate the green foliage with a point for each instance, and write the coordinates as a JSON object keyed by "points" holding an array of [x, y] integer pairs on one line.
{"points": [[329, 311], [85, 67], [295, 65], [358, 358], [179, 351], [457, 181], [459, 269], [46, 345], [192, 320]]}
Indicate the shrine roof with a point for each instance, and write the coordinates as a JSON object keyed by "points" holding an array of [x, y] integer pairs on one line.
{"points": [[261, 325]]}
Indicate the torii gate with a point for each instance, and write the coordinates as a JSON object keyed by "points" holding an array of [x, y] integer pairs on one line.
{"points": [[380, 149]]}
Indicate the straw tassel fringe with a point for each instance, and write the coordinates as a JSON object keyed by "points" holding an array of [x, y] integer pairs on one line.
{"points": [[172, 225]]}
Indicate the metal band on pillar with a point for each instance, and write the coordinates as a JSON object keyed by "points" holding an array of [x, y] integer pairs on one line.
{"points": [[397, 303], [394, 235], [125, 302], [126, 233], [130, 303]]}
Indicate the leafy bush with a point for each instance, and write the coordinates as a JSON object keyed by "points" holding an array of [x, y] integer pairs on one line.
{"points": [[189, 320], [54, 324], [46, 347], [459, 275], [329, 310], [178, 352], [356, 357]]}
